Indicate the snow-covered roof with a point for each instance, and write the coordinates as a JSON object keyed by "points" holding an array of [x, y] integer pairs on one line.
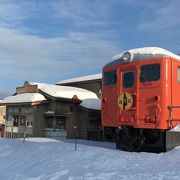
{"points": [[65, 91], [144, 53], [91, 104], [83, 78], [24, 98]]}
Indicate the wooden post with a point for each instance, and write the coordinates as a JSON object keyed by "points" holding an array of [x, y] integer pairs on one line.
{"points": [[76, 141], [12, 127], [18, 126], [25, 131], [5, 128]]}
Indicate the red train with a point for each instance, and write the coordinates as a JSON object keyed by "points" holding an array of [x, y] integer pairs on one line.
{"points": [[141, 99]]}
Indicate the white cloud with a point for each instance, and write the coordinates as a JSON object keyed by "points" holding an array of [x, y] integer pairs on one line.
{"points": [[23, 55], [164, 17], [26, 54]]}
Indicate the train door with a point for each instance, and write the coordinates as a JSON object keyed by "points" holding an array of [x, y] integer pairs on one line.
{"points": [[151, 85], [127, 95], [109, 98]]}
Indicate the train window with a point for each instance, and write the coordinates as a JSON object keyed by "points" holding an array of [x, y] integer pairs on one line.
{"points": [[178, 74], [128, 79], [110, 78], [150, 72]]}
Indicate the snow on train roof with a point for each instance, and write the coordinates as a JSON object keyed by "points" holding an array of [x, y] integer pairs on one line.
{"points": [[83, 78], [24, 98], [144, 53], [65, 91]]}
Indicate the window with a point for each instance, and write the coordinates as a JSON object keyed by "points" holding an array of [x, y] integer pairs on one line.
{"points": [[55, 124], [178, 74], [16, 110], [10, 110], [110, 78], [49, 123], [61, 123], [128, 79], [150, 72]]}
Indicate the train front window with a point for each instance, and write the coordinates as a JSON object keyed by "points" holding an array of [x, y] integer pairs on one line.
{"points": [[128, 79], [150, 72], [110, 78]]}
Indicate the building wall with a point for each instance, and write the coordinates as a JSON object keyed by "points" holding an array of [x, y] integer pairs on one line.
{"points": [[89, 124], [39, 120], [83, 123], [63, 114]]}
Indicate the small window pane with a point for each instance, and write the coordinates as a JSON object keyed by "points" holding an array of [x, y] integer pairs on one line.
{"points": [[16, 110], [23, 110], [110, 78], [128, 79], [10, 110], [30, 117], [150, 72]]}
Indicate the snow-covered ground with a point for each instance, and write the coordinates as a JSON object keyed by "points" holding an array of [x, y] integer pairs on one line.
{"points": [[42, 158]]}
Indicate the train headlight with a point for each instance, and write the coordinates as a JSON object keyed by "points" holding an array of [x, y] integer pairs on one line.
{"points": [[127, 57]]}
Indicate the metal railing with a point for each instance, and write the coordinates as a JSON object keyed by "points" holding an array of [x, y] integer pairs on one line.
{"points": [[171, 114]]}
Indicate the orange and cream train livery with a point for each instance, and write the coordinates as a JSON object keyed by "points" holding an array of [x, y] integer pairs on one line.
{"points": [[141, 99]]}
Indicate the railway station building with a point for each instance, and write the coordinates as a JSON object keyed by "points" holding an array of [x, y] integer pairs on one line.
{"points": [[46, 110]]}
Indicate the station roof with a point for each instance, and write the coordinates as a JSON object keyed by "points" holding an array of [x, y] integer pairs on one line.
{"points": [[81, 79], [56, 91], [67, 92], [24, 98]]}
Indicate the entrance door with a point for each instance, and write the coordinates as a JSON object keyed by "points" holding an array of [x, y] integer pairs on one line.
{"points": [[109, 98]]}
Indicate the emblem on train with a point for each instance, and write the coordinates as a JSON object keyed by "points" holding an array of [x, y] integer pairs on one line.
{"points": [[125, 101]]}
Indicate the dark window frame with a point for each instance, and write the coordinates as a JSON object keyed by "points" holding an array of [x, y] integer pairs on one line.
{"points": [[110, 78], [152, 76], [129, 84]]}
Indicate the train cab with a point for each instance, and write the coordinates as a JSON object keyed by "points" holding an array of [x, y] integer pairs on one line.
{"points": [[140, 99]]}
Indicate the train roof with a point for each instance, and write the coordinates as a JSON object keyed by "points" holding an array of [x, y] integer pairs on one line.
{"points": [[142, 54]]}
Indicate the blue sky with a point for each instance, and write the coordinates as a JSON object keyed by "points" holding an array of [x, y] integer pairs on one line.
{"points": [[52, 40]]}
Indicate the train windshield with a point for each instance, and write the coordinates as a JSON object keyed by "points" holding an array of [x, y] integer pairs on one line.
{"points": [[150, 72], [128, 79], [110, 78]]}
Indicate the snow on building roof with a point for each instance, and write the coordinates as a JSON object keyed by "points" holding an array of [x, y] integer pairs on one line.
{"points": [[24, 98], [144, 53], [91, 104], [83, 78], [65, 91]]}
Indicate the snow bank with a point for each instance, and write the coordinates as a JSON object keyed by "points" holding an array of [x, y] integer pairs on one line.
{"points": [[147, 52], [83, 78], [44, 159], [176, 128], [22, 98], [65, 91], [91, 104]]}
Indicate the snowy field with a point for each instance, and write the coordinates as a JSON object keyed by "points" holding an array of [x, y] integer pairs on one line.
{"points": [[42, 158]]}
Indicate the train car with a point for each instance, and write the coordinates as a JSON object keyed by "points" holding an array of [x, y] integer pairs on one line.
{"points": [[141, 99]]}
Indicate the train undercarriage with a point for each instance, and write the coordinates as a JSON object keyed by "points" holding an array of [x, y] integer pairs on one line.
{"points": [[148, 140]]}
